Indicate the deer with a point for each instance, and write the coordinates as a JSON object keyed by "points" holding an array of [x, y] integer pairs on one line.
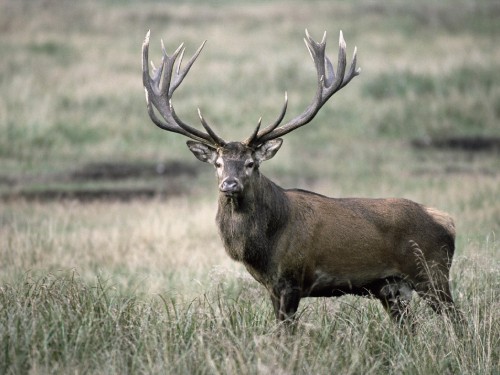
{"points": [[298, 243]]}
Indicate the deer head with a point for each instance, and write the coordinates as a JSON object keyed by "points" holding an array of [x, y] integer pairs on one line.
{"points": [[237, 162]]}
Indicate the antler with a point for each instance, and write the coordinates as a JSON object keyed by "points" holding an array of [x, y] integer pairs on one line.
{"points": [[160, 88], [329, 83]]}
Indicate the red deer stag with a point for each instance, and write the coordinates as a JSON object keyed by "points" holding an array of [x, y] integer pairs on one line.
{"points": [[298, 243]]}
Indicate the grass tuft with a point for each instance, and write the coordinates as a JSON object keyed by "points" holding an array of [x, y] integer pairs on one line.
{"points": [[56, 322]]}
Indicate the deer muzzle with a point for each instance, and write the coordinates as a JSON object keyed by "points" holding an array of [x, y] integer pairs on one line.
{"points": [[230, 186]]}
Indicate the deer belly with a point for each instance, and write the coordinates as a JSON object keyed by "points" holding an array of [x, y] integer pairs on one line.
{"points": [[327, 284]]}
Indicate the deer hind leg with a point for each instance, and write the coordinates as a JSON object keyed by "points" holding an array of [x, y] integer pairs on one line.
{"points": [[436, 291], [433, 285], [395, 295], [438, 295]]}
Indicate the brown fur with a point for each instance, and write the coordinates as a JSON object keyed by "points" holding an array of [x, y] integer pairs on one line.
{"points": [[301, 244]]}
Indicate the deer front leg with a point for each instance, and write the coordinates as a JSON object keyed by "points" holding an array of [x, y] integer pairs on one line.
{"points": [[285, 299]]}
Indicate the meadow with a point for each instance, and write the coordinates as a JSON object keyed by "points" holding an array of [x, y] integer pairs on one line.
{"points": [[142, 284]]}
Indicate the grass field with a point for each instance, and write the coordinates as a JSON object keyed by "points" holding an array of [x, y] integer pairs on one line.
{"points": [[142, 284]]}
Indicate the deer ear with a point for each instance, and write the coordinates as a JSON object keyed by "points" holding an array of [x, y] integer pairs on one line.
{"points": [[268, 149], [203, 152]]}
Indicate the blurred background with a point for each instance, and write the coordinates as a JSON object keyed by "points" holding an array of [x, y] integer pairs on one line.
{"points": [[73, 117]]}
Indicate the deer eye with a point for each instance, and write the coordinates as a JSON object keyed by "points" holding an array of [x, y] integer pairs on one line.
{"points": [[218, 164], [249, 164]]}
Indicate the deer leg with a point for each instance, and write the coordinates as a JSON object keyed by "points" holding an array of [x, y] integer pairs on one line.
{"points": [[437, 293], [285, 299], [433, 283], [438, 297], [276, 305], [395, 296]]}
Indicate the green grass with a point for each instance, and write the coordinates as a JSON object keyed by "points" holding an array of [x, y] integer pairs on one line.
{"points": [[59, 324], [469, 102], [145, 286]]}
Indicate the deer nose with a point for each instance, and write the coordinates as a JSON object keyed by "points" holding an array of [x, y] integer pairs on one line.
{"points": [[230, 185]]}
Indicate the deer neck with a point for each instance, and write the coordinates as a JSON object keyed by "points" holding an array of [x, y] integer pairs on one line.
{"points": [[250, 225]]}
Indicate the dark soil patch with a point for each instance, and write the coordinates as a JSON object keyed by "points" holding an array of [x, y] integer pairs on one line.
{"points": [[468, 144], [115, 171], [161, 180], [91, 195]]}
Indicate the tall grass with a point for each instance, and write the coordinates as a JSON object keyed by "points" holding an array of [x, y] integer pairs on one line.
{"points": [[129, 287], [60, 324]]}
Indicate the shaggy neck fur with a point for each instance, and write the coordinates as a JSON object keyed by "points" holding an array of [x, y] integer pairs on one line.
{"points": [[250, 224]]}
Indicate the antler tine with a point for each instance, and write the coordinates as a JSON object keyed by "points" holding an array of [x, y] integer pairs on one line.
{"points": [[253, 137], [329, 82], [218, 140], [353, 72], [268, 129], [161, 87], [317, 53], [181, 74]]}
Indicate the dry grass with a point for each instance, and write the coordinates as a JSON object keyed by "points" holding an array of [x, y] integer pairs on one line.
{"points": [[159, 245]]}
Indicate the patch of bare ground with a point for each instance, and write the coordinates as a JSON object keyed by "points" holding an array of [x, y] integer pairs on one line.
{"points": [[469, 144], [459, 155], [104, 181]]}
